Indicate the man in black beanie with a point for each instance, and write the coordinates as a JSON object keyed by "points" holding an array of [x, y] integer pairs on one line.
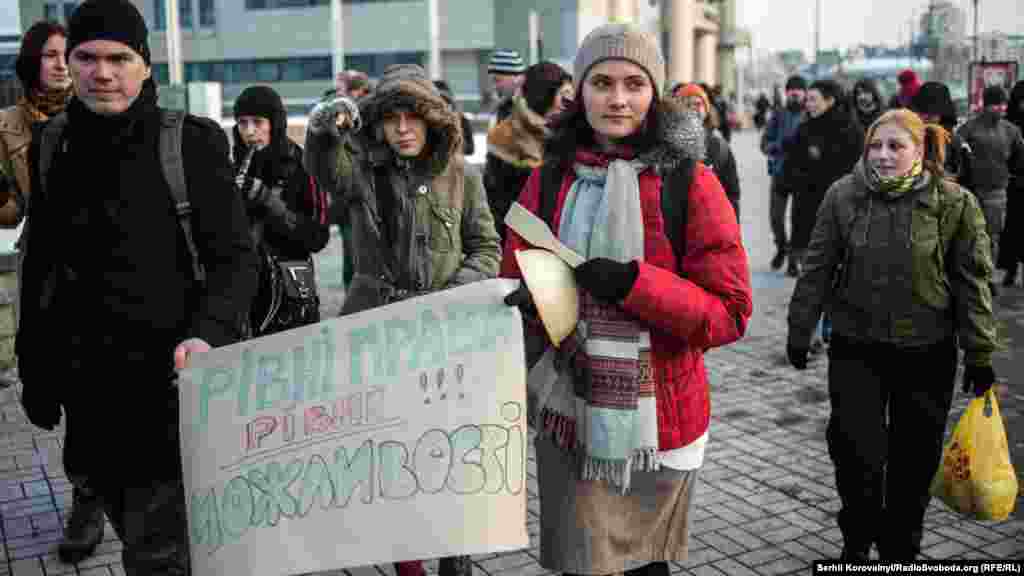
{"points": [[996, 153], [128, 307]]}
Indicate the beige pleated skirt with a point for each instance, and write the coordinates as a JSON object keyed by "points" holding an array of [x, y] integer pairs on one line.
{"points": [[587, 527]]}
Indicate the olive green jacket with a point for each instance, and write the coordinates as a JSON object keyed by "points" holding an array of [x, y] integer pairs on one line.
{"points": [[443, 232], [911, 269]]}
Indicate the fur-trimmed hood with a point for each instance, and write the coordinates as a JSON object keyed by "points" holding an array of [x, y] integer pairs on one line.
{"points": [[519, 139], [407, 86]]}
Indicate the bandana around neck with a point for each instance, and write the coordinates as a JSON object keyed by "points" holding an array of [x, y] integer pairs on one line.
{"points": [[896, 186], [43, 105]]}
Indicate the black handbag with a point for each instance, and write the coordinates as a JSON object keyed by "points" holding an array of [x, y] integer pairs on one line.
{"points": [[288, 296]]}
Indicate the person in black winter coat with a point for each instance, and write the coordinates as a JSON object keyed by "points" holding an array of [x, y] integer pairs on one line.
{"points": [[116, 308], [826, 147], [1011, 243], [515, 146], [867, 102], [287, 210]]}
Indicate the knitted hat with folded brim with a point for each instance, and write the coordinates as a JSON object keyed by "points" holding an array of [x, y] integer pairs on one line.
{"points": [[620, 41], [506, 62]]}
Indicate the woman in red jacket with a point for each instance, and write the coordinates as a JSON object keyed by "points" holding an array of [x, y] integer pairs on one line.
{"points": [[624, 420]]}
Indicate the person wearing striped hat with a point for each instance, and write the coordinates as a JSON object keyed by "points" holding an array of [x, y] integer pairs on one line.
{"points": [[506, 70]]}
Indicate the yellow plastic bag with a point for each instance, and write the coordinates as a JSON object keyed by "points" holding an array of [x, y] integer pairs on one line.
{"points": [[975, 476]]}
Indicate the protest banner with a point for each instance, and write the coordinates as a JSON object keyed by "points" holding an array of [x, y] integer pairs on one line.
{"points": [[395, 434]]}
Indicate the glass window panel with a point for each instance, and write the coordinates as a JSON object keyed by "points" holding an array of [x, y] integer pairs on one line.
{"points": [[159, 19], [266, 71], [292, 70], [185, 13], [207, 14], [69, 9], [51, 12]]}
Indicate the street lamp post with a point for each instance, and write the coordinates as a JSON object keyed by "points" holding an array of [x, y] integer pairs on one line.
{"points": [[337, 39], [175, 69], [977, 55]]}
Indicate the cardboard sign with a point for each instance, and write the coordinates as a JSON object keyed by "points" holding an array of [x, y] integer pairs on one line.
{"points": [[395, 434]]}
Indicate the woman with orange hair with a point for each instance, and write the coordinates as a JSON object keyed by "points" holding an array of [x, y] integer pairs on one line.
{"points": [[900, 255]]}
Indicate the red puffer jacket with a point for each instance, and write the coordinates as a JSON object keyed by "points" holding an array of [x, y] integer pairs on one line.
{"points": [[708, 307]]}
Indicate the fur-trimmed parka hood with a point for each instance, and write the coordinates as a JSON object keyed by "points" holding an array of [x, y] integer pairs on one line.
{"points": [[519, 139], [407, 86]]}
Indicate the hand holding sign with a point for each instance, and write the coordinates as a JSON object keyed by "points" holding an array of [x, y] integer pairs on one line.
{"points": [[184, 351]]}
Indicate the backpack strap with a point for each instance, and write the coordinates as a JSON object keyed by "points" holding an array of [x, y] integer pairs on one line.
{"points": [[49, 139], [172, 163], [675, 206], [550, 186]]}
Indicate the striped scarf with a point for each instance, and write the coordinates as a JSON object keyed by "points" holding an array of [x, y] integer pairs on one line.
{"points": [[596, 394]]}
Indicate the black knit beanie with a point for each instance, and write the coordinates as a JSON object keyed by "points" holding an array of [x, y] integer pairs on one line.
{"points": [[933, 98], [259, 101], [796, 83], [993, 96], [264, 102], [116, 20]]}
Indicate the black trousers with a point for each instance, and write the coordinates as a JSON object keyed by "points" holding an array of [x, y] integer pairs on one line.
{"points": [[151, 523], [889, 409]]}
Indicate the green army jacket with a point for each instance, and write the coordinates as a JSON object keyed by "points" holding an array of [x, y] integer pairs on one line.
{"points": [[910, 270]]}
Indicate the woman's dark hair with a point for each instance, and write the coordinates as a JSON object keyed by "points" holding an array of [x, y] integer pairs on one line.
{"points": [[834, 90], [571, 131], [871, 87], [542, 82], [934, 99], [26, 67]]}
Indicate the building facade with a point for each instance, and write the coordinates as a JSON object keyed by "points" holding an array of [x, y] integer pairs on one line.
{"points": [[287, 43]]}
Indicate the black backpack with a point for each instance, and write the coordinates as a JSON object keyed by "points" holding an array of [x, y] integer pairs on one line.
{"points": [[171, 123], [674, 207]]}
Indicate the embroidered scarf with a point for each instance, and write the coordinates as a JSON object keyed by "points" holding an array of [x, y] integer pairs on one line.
{"points": [[43, 105], [896, 186], [596, 396]]}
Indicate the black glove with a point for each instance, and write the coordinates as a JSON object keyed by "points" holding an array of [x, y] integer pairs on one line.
{"points": [[978, 378], [797, 356], [522, 298], [41, 408], [606, 279]]}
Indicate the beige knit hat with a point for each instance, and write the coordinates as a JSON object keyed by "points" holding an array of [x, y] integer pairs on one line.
{"points": [[620, 41]]}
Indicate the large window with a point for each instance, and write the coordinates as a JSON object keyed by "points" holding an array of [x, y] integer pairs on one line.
{"points": [[59, 10], [273, 4], [300, 69], [304, 69], [207, 14], [184, 14]]}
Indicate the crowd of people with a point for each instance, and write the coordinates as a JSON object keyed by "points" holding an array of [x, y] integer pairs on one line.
{"points": [[199, 240], [897, 223]]}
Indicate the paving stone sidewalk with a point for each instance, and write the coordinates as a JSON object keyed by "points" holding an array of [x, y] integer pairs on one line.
{"points": [[766, 502]]}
